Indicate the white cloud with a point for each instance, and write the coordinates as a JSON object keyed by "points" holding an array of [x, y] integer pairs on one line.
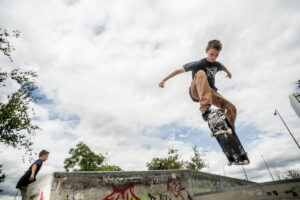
{"points": [[109, 81]]}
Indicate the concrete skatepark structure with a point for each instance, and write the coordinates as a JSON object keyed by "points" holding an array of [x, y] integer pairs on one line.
{"points": [[155, 185], [295, 102]]}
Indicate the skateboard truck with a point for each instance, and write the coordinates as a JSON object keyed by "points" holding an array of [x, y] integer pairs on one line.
{"points": [[229, 131], [238, 162]]}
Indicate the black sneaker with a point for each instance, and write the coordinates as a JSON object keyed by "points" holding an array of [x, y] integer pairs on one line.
{"points": [[205, 114]]}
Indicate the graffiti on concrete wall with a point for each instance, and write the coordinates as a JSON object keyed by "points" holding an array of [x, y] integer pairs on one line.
{"points": [[172, 190], [292, 192], [126, 193], [42, 196], [251, 192], [157, 197], [213, 184], [175, 191], [175, 187]]}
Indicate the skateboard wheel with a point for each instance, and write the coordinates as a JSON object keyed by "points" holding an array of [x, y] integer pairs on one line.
{"points": [[246, 162], [229, 131], [211, 134], [229, 163]]}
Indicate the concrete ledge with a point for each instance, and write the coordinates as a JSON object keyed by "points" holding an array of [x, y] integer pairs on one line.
{"points": [[284, 189], [131, 185]]}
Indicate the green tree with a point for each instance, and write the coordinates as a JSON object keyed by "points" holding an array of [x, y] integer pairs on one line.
{"points": [[16, 126], [196, 163], [84, 159], [167, 163], [5, 45], [173, 161], [106, 167], [290, 174]]}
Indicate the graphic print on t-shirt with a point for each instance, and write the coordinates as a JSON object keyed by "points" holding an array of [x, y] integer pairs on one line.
{"points": [[211, 71]]}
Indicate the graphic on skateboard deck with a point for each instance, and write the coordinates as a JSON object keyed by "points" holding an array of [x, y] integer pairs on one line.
{"points": [[227, 138]]}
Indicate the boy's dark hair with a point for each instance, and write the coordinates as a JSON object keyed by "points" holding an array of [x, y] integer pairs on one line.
{"points": [[43, 152], [214, 44]]}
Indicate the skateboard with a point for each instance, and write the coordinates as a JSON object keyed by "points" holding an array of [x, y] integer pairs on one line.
{"points": [[227, 138]]}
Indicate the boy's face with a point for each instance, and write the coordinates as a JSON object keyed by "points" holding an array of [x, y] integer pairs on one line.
{"points": [[44, 157], [212, 55]]}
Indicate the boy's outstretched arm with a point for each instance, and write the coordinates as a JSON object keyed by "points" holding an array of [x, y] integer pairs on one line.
{"points": [[177, 71]]}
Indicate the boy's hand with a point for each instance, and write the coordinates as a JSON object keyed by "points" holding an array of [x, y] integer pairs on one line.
{"points": [[31, 178], [177, 71], [229, 75], [162, 84]]}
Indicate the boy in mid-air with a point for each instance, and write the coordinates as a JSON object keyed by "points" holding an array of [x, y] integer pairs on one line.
{"points": [[203, 89]]}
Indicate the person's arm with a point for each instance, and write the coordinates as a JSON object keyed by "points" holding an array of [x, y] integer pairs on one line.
{"points": [[176, 72], [33, 172], [228, 73]]}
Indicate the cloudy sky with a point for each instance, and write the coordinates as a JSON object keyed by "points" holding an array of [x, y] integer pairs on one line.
{"points": [[100, 62]]}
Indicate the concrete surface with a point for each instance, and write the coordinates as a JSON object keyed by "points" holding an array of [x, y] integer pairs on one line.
{"points": [[285, 189], [154, 185]]}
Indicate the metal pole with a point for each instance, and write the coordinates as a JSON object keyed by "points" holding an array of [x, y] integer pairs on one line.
{"points": [[16, 195], [276, 112], [267, 167], [245, 173], [277, 173]]}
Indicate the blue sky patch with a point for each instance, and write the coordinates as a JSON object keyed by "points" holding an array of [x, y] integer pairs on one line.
{"points": [[64, 117], [44, 99], [66, 135], [247, 133]]}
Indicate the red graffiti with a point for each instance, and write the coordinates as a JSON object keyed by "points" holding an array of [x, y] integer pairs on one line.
{"points": [[175, 188], [122, 194], [42, 196]]}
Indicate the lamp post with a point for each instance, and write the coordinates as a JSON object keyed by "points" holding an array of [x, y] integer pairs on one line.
{"points": [[267, 167], [245, 173], [275, 113]]}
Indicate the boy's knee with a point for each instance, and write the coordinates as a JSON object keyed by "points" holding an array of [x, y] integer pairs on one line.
{"points": [[231, 107], [200, 73]]}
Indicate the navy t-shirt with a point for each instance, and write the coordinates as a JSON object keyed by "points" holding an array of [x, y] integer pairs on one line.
{"points": [[24, 180], [209, 68]]}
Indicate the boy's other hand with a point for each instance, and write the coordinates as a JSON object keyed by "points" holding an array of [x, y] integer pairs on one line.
{"points": [[229, 75], [162, 84]]}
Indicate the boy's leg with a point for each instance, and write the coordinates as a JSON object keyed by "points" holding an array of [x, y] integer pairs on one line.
{"points": [[23, 190], [201, 90], [219, 101]]}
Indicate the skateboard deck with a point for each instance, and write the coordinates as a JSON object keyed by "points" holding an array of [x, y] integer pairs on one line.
{"points": [[227, 138]]}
